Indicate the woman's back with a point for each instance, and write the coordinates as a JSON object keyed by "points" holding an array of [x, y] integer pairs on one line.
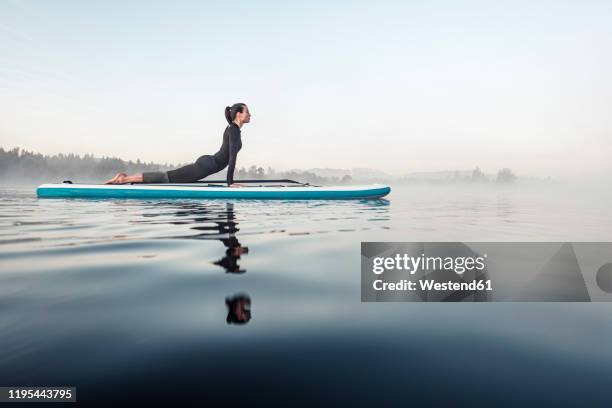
{"points": [[232, 143]]}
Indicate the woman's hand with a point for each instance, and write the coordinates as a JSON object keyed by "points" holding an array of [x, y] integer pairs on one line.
{"points": [[236, 185]]}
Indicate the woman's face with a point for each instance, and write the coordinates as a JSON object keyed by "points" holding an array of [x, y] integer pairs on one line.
{"points": [[245, 115]]}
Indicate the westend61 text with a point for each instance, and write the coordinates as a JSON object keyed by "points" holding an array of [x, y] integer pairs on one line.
{"points": [[429, 284]]}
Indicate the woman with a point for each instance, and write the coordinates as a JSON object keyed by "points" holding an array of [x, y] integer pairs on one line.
{"points": [[236, 115]]}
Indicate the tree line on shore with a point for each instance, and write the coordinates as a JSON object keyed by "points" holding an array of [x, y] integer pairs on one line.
{"points": [[21, 165]]}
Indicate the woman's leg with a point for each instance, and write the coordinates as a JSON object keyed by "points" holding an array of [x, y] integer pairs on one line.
{"points": [[116, 178], [204, 166], [185, 174], [155, 177], [122, 178], [146, 177]]}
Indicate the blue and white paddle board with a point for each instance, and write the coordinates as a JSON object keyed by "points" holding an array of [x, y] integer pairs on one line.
{"points": [[201, 190]]}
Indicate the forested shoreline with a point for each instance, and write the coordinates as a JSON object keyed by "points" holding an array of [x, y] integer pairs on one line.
{"points": [[18, 165]]}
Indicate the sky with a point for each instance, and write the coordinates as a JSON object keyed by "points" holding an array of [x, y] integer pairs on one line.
{"points": [[400, 86]]}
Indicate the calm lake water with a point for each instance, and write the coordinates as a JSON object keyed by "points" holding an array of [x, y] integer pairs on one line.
{"points": [[253, 301]]}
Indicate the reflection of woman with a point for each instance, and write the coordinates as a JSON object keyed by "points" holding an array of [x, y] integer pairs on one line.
{"points": [[238, 309], [236, 115], [232, 255], [216, 225]]}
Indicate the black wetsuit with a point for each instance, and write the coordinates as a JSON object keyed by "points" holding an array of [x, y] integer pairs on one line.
{"points": [[204, 165]]}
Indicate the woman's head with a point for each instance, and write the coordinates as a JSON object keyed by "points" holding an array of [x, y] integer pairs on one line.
{"points": [[238, 112]]}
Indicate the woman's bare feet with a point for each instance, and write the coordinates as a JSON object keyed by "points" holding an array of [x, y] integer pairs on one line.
{"points": [[118, 179]]}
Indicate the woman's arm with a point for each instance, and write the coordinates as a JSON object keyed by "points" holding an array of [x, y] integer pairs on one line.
{"points": [[234, 147]]}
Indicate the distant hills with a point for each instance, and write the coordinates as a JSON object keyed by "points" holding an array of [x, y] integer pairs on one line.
{"points": [[361, 173], [367, 174]]}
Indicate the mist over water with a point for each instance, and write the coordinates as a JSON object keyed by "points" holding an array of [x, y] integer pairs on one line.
{"points": [[261, 299]]}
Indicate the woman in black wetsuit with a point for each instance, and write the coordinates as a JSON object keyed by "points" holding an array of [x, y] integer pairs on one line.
{"points": [[237, 115]]}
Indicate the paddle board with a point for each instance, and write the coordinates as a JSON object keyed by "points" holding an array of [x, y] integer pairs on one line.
{"points": [[203, 190]]}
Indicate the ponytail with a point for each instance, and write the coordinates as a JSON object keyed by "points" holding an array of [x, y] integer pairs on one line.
{"points": [[230, 112]]}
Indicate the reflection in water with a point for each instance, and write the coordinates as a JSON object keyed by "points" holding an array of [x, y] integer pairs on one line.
{"points": [[215, 224], [222, 227], [217, 221], [238, 308], [232, 255]]}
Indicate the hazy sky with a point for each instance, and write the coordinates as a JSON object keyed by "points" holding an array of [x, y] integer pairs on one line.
{"points": [[398, 86]]}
